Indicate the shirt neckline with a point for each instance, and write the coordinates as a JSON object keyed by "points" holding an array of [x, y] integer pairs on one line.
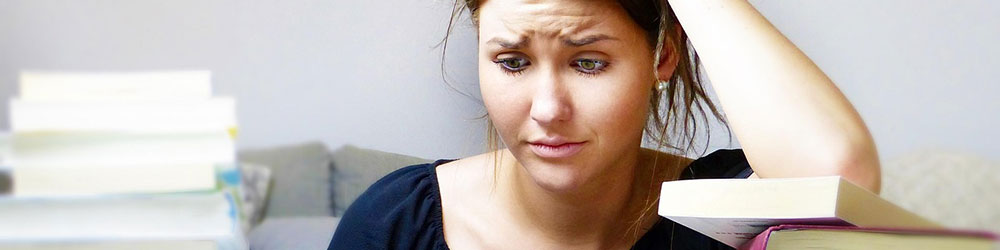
{"points": [[437, 218]]}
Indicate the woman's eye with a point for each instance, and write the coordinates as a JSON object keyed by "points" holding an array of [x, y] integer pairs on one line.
{"points": [[589, 66], [513, 64]]}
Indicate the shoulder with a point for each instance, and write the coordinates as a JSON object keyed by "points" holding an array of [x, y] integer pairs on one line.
{"points": [[467, 176], [722, 163], [402, 185], [400, 210]]}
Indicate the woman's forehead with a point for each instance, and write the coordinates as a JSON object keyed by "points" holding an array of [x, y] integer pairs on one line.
{"points": [[517, 19]]}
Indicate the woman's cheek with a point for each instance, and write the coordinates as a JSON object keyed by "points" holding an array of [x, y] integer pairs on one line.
{"points": [[504, 108], [621, 104]]}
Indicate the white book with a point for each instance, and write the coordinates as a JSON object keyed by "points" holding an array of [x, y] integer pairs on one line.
{"points": [[100, 180], [734, 211], [89, 86], [116, 245], [189, 216], [139, 116], [117, 149]]}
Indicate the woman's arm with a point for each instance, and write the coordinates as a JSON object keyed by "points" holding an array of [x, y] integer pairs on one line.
{"points": [[788, 115]]}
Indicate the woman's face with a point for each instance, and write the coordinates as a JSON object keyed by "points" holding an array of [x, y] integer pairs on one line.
{"points": [[567, 85]]}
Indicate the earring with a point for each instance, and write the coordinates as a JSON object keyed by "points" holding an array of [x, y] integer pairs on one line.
{"points": [[662, 86]]}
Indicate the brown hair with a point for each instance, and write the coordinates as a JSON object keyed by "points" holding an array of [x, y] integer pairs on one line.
{"points": [[679, 107]]}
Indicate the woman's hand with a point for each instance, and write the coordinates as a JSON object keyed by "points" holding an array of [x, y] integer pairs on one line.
{"points": [[788, 115]]}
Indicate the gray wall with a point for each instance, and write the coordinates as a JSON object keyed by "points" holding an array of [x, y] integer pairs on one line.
{"points": [[361, 72], [365, 72], [921, 73]]}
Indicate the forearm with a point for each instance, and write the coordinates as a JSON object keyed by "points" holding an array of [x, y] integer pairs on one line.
{"points": [[788, 115]]}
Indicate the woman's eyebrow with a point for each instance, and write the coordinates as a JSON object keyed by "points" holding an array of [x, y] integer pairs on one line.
{"points": [[523, 42], [587, 40], [509, 44]]}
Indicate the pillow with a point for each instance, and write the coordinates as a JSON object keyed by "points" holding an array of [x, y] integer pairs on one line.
{"points": [[300, 178], [354, 169], [5, 181], [255, 179]]}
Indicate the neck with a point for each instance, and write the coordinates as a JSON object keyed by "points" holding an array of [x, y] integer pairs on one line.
{"points": [[594, 215]]}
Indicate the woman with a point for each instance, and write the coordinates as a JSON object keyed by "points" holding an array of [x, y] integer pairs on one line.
{"points": [[569, 87]]}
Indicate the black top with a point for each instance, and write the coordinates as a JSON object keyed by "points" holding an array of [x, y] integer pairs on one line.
{"points": [[403, 210]]}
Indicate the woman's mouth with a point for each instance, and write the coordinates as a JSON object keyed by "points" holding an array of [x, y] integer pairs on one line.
{"points": [[556, 150]]}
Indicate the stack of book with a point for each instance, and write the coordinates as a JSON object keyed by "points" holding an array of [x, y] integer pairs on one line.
{"points": [[140, 160], [805, 213]]}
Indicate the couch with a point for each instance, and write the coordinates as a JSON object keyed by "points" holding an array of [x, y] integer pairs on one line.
{"points": [[311, 187]]}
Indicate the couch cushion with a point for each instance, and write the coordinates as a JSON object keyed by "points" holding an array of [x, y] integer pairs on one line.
{"points": [[300, 178], [293, 233], [354, 169]]}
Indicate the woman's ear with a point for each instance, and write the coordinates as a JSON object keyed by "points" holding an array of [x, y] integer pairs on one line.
{"points": [[669, 56]]}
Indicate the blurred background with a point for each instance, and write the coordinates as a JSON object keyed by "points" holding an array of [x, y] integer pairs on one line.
{"points": [[921, 73], [310, 77]]}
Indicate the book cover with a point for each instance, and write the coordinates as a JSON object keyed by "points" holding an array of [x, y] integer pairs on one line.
{"points": [[106, 149], [734, 211], [123, 116], [115, 245], [100, 180], [135, 85], [181, 216], [926, 238]]}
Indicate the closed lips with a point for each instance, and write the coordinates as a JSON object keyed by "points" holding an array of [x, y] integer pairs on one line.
{"points": [[554, 150], [556, 146]]}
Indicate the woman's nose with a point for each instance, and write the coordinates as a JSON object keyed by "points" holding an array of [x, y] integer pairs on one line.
{"points": [[551, 101]]}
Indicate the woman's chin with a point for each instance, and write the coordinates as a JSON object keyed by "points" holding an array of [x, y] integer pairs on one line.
{"points": [[557, 178]]}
